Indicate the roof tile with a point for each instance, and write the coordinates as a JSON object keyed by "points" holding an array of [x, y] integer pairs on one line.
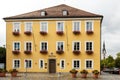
{"points": [[55, 12]]}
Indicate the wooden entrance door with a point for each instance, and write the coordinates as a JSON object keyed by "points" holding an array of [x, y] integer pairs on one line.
{"points": [[52, 66]]}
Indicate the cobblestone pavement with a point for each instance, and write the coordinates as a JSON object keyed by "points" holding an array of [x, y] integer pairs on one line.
{"points": [[63, 76]]}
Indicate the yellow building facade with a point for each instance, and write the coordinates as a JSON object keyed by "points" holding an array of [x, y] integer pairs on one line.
{"points": [[55, 39]]}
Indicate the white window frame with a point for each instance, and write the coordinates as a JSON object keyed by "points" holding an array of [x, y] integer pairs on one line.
{"points": [[31, 63], [26, 26], [14, 27], [86, 25], [65, 12], [92, 45], [73, 23], [41, 44], [61, 63], [73, 45], [57, 25], [46, 26], [28, 42], [14, 63], [40, 63], [79, 63], [42, 13], [92, 63], [17, 42], [57, 45]]}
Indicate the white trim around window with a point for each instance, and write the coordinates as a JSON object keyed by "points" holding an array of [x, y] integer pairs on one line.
{"points": [[73, 23], [79, 67], [92, 45], [19, 25], [41, 65], [92, 24], [62, 24], [62, 65], [19, 65], [31, 63], [28, 42], [31, 23], [19, 45], [92, 66], [41, 44], [73, 45], [63, 45], [45, 26]]}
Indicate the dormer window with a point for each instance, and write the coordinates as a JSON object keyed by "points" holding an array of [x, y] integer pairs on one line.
{"points": [[43, 13], [65, 12]]}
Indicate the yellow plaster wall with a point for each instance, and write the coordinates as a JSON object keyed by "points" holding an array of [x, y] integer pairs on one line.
{"points": [[52, 37]]}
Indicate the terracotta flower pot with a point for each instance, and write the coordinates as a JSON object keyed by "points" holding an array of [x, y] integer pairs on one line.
{"points": [[73, 75], [2, 74], [83, 75], [95, 75], [14, 74]]}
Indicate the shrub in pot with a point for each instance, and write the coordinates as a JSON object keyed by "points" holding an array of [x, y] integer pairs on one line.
{"points": [[84, 73], [2, 72], [73, 72], [95, 73], [13, 72]]}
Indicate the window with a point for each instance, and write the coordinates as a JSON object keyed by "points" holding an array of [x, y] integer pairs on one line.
{"points": [[89, 46], [76, 26], [89, 26], [76, 64], [60, 46], [44, 27], [60, 26], [28, 27], [16, 63], [16, 46], [28, 63], [41, 63], [65, 12], [89, 64], [76, 46], [28, 46], [16, 27], [43, 13], [44, 46], [62, 64]]}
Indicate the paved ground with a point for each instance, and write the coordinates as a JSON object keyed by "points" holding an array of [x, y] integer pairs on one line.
{"points": [[63, 76]]}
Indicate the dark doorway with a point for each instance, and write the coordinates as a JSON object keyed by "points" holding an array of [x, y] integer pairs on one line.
{"points": [[52, 66]]}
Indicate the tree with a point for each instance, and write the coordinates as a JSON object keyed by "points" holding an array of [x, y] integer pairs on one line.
{"points": [[118, 54], [117, 60], [110, 62], [2, 54]]}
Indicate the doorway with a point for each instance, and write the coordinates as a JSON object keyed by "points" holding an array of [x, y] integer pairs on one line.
{"points": [[52, 66]]}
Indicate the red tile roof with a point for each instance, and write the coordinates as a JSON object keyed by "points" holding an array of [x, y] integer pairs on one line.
{"points": [[56, 12]]}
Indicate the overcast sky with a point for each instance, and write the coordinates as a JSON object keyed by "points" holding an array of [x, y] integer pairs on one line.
{"points": [[110, 9]]}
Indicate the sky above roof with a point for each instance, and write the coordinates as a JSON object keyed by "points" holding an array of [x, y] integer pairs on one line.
{"points": [[110, 9]]}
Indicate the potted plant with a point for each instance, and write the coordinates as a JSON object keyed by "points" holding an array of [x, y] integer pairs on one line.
{"points": [[13, 72], [73, 72], [95, 73], [2, 72], [84, 73]]}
